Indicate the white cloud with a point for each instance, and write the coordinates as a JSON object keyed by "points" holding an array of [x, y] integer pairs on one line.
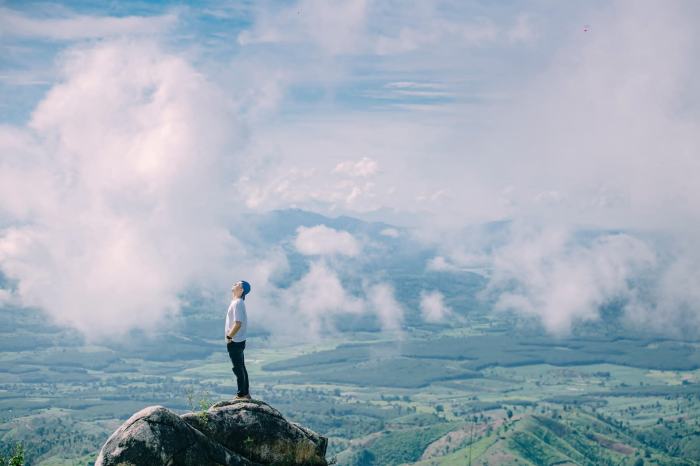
{"points": [[310, 305], [76, 27], [390, 232], [613, 133], [522, 30], [363, 167], [297, 172], [602, 129], [457, 259], [550, 275], [322, 240], [334, 26], [380, 28], [384, 304], [117, 190], [440, 264], [5, 297], [317, 297], [612, 122], [667, 300], [422, 35], [433, 308]]}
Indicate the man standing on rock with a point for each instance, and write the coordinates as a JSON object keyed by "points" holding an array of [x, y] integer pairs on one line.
{"points": [[236, 326]]}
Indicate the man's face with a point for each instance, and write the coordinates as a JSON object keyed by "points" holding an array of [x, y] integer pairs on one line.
{"points": [[237, 289]]}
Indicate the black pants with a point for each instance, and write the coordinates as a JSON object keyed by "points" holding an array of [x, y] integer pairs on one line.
{"points": [[235, 352]]}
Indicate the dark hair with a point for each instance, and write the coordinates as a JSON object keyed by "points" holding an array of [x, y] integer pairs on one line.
{"points": [[244, 285], [246, 288]]}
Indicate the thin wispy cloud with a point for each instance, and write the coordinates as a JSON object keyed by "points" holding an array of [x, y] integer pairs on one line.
{"points": [[74, 27]]}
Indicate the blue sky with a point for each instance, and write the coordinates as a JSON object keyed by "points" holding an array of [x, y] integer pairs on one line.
{"points": [[133, 128], [212, 34]]}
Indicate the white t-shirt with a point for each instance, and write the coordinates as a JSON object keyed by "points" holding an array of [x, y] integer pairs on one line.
{"points": [[236, 312]]}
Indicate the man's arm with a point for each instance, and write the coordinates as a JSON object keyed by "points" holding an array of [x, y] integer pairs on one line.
{"points": [[236, 327]]}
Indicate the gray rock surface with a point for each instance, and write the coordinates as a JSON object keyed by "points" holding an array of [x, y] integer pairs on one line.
{"points": [[247, 432]]}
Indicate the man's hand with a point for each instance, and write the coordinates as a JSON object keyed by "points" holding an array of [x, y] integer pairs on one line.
{"points": [[234, 330]]}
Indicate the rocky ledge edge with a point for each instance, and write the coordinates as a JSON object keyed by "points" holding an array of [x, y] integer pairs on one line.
{"points": [[237, 432]]}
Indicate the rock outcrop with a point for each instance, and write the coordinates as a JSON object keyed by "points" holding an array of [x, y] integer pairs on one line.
{"points": [[246, 432]]}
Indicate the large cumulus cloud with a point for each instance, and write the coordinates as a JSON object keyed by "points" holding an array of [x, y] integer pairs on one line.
{"points": [[113, 196]]}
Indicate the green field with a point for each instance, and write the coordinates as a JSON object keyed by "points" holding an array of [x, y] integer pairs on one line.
{"points": [[437, 397]]}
